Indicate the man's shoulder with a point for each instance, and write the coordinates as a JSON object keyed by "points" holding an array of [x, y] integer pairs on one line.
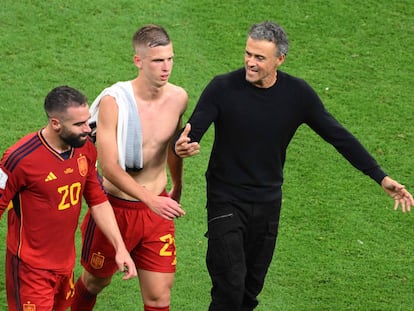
{"points": [[116, 89], [232, 79], [23, 149], [235, 74], [28, 142], [177, 92], [176, 89], [282, 75]]}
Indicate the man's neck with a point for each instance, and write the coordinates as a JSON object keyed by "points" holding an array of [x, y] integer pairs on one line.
{"points": [[54, 141], [145, 91]]}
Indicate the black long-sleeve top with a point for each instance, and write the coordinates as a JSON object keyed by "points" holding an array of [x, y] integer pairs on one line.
{"points": [[253, 128]]}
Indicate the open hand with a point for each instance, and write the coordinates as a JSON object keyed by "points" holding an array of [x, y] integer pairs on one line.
{"points": [[184, 147], [398, 192]]}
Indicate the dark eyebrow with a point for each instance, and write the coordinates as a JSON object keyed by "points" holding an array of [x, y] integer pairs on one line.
{"points": [[255, 55], [80, 123], [162, 59]]}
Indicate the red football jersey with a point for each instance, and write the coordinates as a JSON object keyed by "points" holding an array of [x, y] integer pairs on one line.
{"points": [[45, 192]]}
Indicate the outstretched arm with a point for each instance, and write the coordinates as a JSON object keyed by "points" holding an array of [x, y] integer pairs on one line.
{"points": [[398, 192], [183, 146]]}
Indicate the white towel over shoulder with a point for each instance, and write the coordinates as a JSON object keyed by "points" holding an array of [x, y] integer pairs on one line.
{"points": [[129, 132]]}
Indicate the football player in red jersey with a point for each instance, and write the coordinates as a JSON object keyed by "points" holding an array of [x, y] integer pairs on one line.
{"points": [[43, 178]]}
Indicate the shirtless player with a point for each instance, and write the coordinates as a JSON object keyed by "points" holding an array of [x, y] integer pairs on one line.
{"points": [[143, 208]]}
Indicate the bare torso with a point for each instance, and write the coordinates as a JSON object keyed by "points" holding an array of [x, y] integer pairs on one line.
{"points": [[160, 118]]}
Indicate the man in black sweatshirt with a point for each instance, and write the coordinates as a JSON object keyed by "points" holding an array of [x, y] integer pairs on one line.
{"points": [[256, 110]]}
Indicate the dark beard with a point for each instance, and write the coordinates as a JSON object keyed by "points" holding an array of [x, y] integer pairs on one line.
{"points": [[74, 141]]}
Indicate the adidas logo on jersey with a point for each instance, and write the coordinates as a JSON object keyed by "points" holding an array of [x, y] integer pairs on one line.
{"points": [[50, 177]]}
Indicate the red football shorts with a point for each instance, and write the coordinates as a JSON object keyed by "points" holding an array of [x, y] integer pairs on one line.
{"points": [[148, 237], [31, 289]]}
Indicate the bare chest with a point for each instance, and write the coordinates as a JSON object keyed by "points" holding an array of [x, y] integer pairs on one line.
{"points": [[158, 121]]}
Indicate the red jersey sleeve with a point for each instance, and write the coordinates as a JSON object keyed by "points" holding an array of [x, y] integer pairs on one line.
{"points": [[10, 183]]}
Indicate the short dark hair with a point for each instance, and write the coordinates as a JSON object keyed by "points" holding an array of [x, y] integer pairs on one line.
{"points": [[61, 98]]}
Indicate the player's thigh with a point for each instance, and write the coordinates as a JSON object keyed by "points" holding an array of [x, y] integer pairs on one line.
{"points": [[28, 288]]}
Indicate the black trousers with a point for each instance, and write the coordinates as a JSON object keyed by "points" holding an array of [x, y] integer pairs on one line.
{"points": [[241, 242]]}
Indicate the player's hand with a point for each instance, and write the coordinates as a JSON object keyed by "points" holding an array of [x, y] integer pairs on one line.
{"points": [[183, 147], [398, 192], [125, 264], [166, 207]]}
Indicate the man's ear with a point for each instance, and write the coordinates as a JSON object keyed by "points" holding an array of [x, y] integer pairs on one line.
{"points": [[137, 61], [55, 123], [280, 59]]}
